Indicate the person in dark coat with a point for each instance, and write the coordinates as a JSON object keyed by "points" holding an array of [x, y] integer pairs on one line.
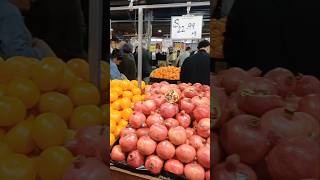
{"points": [[146, 62], [128, 65], [196, 68], [269, 34]]}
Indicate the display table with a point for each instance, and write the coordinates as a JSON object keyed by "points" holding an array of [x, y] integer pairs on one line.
{"points": [[120, 174]]}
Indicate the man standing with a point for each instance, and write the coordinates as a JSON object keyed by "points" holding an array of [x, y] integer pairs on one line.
{"points": [[184, 56], [196, 69]]}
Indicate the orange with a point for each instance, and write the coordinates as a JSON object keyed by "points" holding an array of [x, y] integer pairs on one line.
{"points": [[116, 105], [3, 89], [117, 131], [53, 162], [115, 83], [127, 94], [49, 74], [136, 98], [69, 79], [86, 115], [113, 125], [112, 139], [117, 90], [125, 84], [113, 96], [17, 167], [12, 111], [84, 94], [136, 91], [126, 113], [134, 82], [115, 115], [105, 113], [49, 130], [57, 103], [25, 90], [125, 103], [19, 138], [123, 123], [80, 68]]}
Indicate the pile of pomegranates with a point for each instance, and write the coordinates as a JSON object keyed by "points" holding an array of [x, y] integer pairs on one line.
{"points": [[169, 131], [267, 126]]}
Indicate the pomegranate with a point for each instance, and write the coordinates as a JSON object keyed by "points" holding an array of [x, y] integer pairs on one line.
{"points": [[221, 107], [154, 164], [258, 96], [149, 106], [171, 122], [187, 105], [203, 127], [174, 166], [285, 80], [128, 142], [194, 171], [117, 154], [146, 145], [137, 119], [142, 132], [288, 123], [138, 106], [233, 169], [232, 78], [190, 132], [190, 92], [295, 158], [158, 132], [159, 99], [203, 156], [126, 131], [185, 153], [197, 141], [307, 85], [135, 159], [86, 169], [183, 86], [197, 86], [205, 88], [244, 135], [177, 135], [254, 72], [154, 118], [201, 112], [184, 119], [168, 110], [199, 100], [207, 174], [310, 104], [165, 150]]}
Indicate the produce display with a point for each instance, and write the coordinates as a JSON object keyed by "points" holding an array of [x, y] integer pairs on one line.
{"points": [[168, 73], [123, 95], [168, 132], [267, 126], [218, 27], [48, 109]]}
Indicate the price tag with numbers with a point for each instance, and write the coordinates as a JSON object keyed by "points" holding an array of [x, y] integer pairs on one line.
{"points": [[186, 27]]}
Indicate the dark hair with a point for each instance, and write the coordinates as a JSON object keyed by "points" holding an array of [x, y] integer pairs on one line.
{"points": [[115, 39], [203, 44], [127, 48], [116, 54], [188, 48]]}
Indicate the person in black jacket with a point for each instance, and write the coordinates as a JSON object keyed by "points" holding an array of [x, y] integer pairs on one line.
{"points": [[128, 65], [274, 33], [196, 68], [146, 62]]}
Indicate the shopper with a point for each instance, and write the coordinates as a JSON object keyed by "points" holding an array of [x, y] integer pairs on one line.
{"points": [[114, 61], [171, 57], [196, 68], [15, 38], [128, 65], [183, 56], [146, 62], [288, 37], [61, 24]]}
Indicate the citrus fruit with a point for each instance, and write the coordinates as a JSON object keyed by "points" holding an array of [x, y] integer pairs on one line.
{"points": [[86, 115], [12, 111], [79, 67], [84, 94], [112, 139], [125, 103], [113, 96], [126, 113], [69, 79]]}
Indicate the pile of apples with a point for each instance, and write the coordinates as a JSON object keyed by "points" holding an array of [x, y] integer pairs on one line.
{"points": [[45, 108]]}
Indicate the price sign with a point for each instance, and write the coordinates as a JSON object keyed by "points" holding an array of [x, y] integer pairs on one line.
{"points": [[186, 27]]}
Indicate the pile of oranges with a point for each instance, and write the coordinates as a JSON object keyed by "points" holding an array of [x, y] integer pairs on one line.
{"points": [[123, 95], [42, 105]]}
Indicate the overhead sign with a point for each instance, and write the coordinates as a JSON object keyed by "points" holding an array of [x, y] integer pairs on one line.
{"points": [[186, 27]]}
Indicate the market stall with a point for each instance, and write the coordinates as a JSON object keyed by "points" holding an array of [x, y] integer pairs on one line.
{"points": [[151, 122]]}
